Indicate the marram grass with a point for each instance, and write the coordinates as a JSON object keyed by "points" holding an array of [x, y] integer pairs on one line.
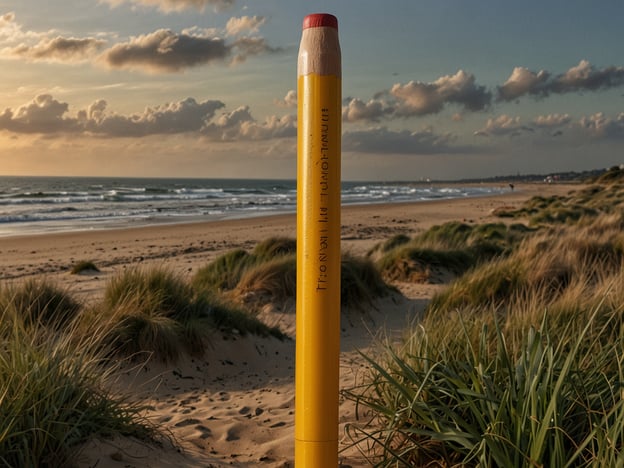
{"points": [[53, 395], [552, 398]]}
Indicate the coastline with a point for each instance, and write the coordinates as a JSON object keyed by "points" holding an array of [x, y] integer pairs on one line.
{"points": [[234, 406]]}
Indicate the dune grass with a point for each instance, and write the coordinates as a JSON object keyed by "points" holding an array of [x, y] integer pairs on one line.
{"points": [[37, 302], [475, 395], [156, 311], [452, 248], [269, 274], [53, 390], [548, 262], [84, 266], [518, 362]]}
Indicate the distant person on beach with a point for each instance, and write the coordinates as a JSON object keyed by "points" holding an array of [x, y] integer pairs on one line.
{"points": [[511, 186]]}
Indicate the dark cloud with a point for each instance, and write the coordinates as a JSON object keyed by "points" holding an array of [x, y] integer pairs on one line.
{"points": [[179, 5], [582, 77], [384, 141], [62, 49], [167, 51], [417, 98]]}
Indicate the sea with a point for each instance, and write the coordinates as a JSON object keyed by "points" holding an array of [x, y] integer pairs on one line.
{"points": [[36, 205]]}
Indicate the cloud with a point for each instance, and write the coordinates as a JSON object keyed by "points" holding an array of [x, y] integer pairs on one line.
{"points": [[60, 49], [240, 125], [502, 125], [165, 51], [289, 101], [171, 118], [418, 98], [551, 120], [244, 24], [582, 77], [168, 6], [11, 32], [384, 141], [43, 114], [358, 110], [600, 126], [523, 81], [46, 115]]}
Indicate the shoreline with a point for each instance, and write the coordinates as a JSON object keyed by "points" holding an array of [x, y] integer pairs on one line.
{"points": [[234, 406], [184, 245]]}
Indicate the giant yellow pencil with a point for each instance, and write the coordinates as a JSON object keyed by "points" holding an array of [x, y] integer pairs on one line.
{"points": [[318, 243]]}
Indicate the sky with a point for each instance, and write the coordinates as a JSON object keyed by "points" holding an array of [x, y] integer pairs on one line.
{"points": [[440, 89]]}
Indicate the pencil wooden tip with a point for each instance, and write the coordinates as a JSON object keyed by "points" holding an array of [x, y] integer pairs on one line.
{"points": [[318, 20]]}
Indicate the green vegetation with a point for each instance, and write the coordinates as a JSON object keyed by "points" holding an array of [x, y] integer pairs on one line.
{"points": [[157, 312], [269, 274], [53, 385], [39, 303], [452, 248], [519, 361]]}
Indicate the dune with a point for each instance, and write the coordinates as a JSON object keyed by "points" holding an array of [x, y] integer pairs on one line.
{"points": [[234, 406]]}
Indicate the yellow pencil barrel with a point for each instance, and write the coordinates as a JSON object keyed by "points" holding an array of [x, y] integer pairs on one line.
{"points": [[318, 244]]}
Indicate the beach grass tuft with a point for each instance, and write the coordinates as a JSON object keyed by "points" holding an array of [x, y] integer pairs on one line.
{"points": [[448, 249], [37, 302], [269, 275], [158, 312], [84, 266], [481, 394], [54, 393]]}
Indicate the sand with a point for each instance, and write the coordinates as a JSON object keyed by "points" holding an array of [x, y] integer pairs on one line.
{"points": [[235, 405]]}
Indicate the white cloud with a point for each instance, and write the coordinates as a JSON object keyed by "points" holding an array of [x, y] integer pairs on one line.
{"points": [[582, 77], [551, 120], [168, 6], [244, 24], [521, 82], [600, 126], [240, 125], [502, 125], [418, 98], [357, 110], [289, 101]]}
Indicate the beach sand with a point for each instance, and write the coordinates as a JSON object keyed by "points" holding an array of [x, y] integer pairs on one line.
{"points": [[235, 405]]}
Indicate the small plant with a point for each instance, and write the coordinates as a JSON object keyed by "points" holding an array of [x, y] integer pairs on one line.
{"points": [[156, 312], [84, 266], [39, 302], [54, 395], [223, 273]]}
